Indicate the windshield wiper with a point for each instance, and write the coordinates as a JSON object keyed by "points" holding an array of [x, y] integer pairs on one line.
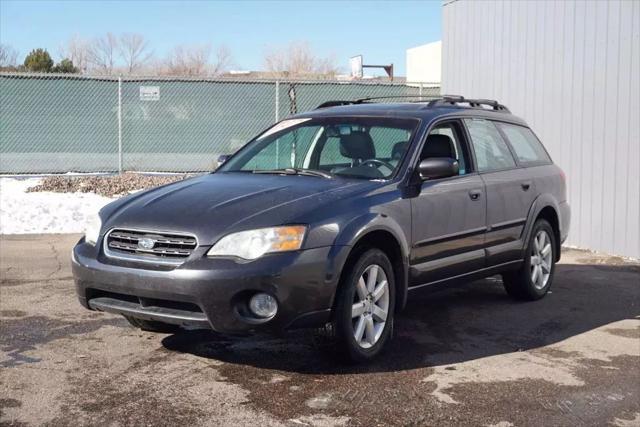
{"points": [[296, 171]]}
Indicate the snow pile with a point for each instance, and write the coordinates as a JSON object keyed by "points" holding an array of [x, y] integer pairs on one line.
{"points": [[44, 212]]}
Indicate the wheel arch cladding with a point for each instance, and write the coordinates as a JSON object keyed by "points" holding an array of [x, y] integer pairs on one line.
{"points": [[387, 242], [549, 214], [546, 207]]}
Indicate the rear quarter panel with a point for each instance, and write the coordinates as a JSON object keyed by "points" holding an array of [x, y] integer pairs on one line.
{"points": [[551, 190], [548, 179]]}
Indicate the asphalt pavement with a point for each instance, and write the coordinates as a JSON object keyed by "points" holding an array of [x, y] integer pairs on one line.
{"points": [[464, 356]]}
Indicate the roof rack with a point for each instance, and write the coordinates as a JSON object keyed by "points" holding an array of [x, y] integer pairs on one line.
{"points": [[473, 103], [366, 100], [335, 104], [446, 100]]}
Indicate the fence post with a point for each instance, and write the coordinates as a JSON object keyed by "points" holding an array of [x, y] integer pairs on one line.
{"points": [[120, 124], [277, 118], [277, 101], [420, 93]]}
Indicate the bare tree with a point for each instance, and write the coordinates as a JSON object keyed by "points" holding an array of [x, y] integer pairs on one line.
{"points": [[223, 60], [327, 66], [134, 51], [195, 60], [8, 56], [188, 60], [77, 50], [102, 53], [298, 59]]}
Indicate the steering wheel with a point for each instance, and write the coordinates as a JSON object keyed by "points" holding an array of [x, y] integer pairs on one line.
{"points": [[379, 163]]}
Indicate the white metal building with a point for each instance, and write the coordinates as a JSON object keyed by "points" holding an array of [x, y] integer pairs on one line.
{"points": [[424, 63], [572, 70]]}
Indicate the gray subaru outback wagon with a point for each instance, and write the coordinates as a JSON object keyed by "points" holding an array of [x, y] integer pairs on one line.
{"points": [[331, 220]]}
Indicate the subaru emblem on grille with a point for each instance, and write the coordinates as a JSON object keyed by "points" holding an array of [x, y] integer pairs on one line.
{"points": [[146, 243]]}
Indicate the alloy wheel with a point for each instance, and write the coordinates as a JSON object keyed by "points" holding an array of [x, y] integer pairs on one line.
{"points": [[370, 306], [541, 259]]}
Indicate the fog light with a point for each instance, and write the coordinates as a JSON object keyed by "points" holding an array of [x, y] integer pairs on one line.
{"points": [[263, 305]]}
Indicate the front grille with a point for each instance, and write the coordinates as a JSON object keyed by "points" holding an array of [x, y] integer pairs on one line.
{"points": [[161, 247]]}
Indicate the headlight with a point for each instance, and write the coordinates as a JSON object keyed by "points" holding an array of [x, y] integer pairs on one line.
{"points": [[92, 229], [253, 244]]}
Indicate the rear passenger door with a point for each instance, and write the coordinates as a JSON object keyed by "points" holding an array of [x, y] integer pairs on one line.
{"points": [[509, 191]]}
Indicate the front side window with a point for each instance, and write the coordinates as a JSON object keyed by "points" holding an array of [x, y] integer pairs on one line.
{"points": [[366, 148], [525, 144], [447, 144], [491, 151]]}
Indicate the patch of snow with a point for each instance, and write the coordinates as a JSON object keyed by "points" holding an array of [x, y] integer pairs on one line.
{"points": [[44, 212], [321, 420]]}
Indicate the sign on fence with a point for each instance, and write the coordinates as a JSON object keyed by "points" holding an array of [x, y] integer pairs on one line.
{"points": [[149, 93]]}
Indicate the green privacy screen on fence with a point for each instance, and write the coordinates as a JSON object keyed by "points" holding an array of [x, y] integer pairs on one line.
{"points": [[57, 124]]}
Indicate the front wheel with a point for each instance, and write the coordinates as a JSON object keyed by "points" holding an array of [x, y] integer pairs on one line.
{"points": [[534, 278], [363, 320]]}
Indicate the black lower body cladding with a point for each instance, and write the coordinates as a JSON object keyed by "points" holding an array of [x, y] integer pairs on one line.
{"points": [[214, 292]]}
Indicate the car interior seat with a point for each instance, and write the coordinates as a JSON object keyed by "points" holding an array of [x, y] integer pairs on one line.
{"points": [[357, 146], [438, 146]]}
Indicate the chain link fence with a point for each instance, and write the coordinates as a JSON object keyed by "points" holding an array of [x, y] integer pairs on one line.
{"points": [[62, 123]]}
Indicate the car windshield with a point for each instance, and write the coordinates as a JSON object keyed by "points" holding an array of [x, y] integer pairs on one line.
{"points": [[358, 147]]}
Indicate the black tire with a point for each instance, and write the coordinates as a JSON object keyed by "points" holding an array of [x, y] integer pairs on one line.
{"points": [[341, 330], [519, 284], [153, 325]]}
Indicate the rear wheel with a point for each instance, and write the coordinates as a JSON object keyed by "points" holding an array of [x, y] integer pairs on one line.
{"points": [[535, 277], [153, 325], [363, 320]]}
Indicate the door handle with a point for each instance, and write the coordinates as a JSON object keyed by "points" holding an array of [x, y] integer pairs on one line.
{"points": [[475, 194], [526, 185]]}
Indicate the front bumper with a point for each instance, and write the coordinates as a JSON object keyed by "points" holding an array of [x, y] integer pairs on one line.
{"points": [[209, 292]]}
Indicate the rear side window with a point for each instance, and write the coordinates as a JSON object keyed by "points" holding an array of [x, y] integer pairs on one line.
{"points": [[527, 147], [492, 152]]}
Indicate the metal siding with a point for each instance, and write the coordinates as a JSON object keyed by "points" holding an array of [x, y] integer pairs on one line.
{"points": [[572, 70], [633, 146], [608, 139], [586, 138]]}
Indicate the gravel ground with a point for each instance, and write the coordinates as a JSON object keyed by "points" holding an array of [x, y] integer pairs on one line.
{"points": [[108, 185], [464, 356]]}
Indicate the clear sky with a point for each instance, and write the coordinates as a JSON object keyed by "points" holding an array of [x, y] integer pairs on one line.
{"points": [[381, 31]]}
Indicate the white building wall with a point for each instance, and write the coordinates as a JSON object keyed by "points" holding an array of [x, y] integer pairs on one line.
{"points": [[424, 63], [571, 69]]}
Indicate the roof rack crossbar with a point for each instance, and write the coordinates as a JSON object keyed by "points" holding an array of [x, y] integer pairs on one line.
{"points": [[473, 103]]}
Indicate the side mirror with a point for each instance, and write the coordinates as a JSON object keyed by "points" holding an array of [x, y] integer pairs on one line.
{"points": [[223, 158], [438, 167]]}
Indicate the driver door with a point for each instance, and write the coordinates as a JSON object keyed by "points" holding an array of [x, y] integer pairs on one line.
{"points": [[449, 214]]}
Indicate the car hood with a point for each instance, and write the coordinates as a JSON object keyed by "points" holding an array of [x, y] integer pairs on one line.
{"points": [[214, 205]]}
